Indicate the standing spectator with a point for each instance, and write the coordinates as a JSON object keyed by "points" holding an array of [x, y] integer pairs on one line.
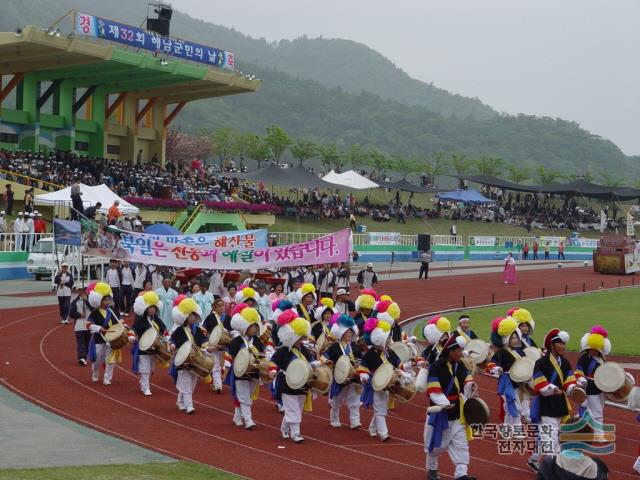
{"points": [[263, 302], [139, 157], [509, 273], [167, 295], [76, 200], [28, 200], [525, 251], [29, 229], [561, 251], [3, 225], [126, 224], [140, 275], [401, 215], [536, 246], [8, 200], [40, 226], [63, 283], [326, 281], [367, 278], [230, 298], [310, 276], [114, 213], [18, 228], [80, 311], [112, 277], [352, 222], [453, 231], [546, 250], [216, 284], [343, 277], [128, 278], [425, 259]]}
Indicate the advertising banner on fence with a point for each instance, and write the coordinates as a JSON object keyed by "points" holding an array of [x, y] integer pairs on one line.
{"points": [[383, 238], [484, 241], [97, 27], [239, 251]]}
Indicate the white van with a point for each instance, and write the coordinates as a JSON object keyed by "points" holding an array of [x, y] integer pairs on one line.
{"points": [[42, 261]]}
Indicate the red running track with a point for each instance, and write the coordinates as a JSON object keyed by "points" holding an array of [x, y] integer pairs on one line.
{"points": [[42, 369]]}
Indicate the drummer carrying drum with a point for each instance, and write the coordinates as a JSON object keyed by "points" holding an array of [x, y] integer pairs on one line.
{"points": [[343, 355], [595, 346], [288, 365], [244, 388], [101, 319], [505, 336], [526, 324], [217, 319], [146, 308], [436, 333], [448, 381], [186, 316], [553, 380], [376, 333]]}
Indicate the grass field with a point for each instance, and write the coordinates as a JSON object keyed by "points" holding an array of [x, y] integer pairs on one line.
{"points": [[617, 311], [414, 226], [149, 471]]}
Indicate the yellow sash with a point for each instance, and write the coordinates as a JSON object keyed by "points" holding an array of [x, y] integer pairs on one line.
{"points": [[558, 370], [305, 312], [308, 401], [462, 334], [116, 355]]}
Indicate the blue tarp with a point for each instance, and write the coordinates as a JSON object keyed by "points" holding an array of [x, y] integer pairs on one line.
{"points": [[162, 229], [464, 196]]}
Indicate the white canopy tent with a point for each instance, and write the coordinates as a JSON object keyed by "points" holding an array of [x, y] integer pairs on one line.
{"points": [[350, 179], [90, 196]]}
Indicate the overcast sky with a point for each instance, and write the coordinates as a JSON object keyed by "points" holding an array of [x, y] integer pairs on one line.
{"points": [[574, 59]]}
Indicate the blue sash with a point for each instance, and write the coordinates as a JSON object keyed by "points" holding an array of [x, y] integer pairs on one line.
{"points": [[505, 387], [440, 420], [367, 394], [135, 357], [93, 355], [173, 372]]}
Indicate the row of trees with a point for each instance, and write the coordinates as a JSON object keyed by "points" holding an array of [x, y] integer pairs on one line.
{"points": [[225, 143]]}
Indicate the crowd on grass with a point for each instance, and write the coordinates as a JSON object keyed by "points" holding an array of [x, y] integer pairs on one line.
{"points": [[153, 186]]}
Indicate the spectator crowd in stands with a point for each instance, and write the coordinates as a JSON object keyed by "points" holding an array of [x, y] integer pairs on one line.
{"points": [[197, 184]]}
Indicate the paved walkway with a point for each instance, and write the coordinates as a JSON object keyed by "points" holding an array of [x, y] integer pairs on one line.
{"points": [[31, 437]]}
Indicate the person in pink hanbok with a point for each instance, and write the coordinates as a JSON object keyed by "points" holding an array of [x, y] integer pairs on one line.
{"points": [[509, 273]]}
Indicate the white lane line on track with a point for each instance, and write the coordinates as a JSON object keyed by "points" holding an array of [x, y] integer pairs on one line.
{"points": [[99, 428], [26, 318], [180, 425]]}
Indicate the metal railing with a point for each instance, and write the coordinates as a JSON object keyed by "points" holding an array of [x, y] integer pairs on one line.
{"points": [[20, 242], [286, 238], [191, 218], [448, 240], [29, 181]]}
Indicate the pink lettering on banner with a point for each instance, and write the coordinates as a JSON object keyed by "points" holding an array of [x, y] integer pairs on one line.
{"points": [[230, 252]]}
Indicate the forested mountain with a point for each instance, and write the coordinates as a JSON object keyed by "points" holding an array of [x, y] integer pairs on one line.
{"points": [[362, 98]]}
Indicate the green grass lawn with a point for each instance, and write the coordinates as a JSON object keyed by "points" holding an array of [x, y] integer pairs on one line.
{"points": [[617, 311], [149, 471], [413, 226]]}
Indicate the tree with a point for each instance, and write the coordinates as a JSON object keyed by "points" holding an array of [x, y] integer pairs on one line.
{"points": [[241, 144], [403, 165], [489, 166], [609, 180], [182, 148], [278, 141], [356, 156], [329, 155], [461, 164], [303, 150], [434, 166], [378, 161], [586, 176], [517, 174], [547, 177], [257, 149], [223, 140]]}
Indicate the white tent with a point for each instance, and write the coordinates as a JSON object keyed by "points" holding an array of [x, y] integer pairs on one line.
{"points": [[90, 196], [350, 179]]}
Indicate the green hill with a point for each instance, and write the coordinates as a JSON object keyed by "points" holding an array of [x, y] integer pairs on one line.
{"points": [[359, 98]]}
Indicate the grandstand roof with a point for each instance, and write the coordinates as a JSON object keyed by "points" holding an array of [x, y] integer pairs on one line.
{"points": [[86, 62]]}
